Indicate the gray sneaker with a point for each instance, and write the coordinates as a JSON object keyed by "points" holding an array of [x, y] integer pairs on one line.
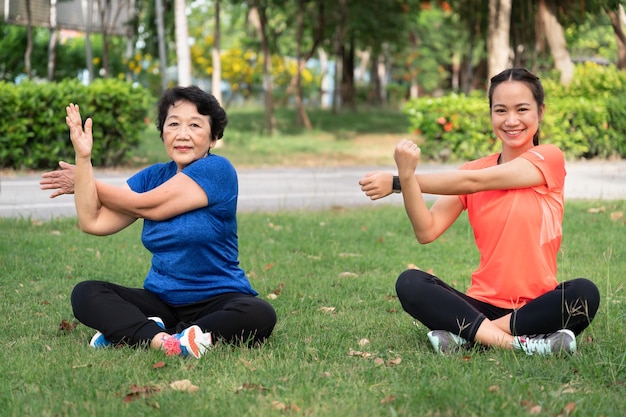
{"points": [[446, 342], [563, 341]]}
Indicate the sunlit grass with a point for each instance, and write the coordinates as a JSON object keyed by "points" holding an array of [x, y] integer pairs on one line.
{"points": [[359, 138], [342, 345]]}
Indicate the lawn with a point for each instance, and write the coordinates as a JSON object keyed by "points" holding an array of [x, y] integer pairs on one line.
{"points": [[342, 345], [365, 138]]}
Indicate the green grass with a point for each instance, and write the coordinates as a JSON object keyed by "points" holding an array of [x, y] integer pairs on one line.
{"points": [[335, 272], [359, 138]]}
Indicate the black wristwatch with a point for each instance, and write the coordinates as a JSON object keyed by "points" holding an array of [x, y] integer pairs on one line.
{"points": [[395, 187]]}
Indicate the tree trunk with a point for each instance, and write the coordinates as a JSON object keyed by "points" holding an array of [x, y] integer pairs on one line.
{"points": [[183, 55], [468, 76], [161, 43], [259, 21], [52, 43], [325, 91], [555, 37], [29, 42], [216, 76], [341, 27], [618, 21], [87, 8], [104, 8], [498, 37], [346, 90], [303, 117], [377, 96]]}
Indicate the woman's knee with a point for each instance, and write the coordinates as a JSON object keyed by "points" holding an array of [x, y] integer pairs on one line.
{"points": [[587, 290], [265, 313], [408, 283], [84, 291]]}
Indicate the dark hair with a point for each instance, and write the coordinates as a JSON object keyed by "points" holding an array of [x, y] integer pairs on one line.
{"points": [[206, 104], [528, 78]]}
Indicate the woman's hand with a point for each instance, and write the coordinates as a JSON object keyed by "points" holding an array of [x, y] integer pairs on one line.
{"points": [[407, 156], [377, 184], [81, 139], [61, 180]]}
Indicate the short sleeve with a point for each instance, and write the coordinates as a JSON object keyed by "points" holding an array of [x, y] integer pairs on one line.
{"points": [[549, 159], [216, 176]]}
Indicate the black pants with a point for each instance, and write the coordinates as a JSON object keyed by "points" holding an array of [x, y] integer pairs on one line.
{"points": [[121, 314], [571, 305]]}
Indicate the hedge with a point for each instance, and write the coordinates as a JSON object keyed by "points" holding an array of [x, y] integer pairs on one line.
{"points": [[33, 133]]}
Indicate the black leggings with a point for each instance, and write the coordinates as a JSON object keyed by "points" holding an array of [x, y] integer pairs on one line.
{"points": [[571, 305], [121, 314]]}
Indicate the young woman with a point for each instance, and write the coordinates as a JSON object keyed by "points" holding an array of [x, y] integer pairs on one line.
{"points": [[195, 293], [514, 201]]}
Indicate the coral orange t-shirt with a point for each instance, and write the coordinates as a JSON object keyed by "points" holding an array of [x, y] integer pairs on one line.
{"points": [[517, 232]]}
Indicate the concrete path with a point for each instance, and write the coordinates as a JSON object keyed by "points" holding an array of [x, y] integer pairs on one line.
{"points": [[301, 188]]}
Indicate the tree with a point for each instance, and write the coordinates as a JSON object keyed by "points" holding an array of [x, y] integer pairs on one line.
{"points": [[161, 41], [52, 43], [216, 75], [258, 19], [295, 86], [498, 47], [549, 27], [29, 43], [618, 21], [182, 43]]}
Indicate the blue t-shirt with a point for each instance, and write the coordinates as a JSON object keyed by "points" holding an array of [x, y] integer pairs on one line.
{"points": [[195, 255]]}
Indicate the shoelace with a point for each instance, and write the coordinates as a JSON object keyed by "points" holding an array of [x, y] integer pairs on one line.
{"points": [[535, 345], [171, 345]]}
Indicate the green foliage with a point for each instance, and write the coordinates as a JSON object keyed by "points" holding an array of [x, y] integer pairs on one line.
{"points": [[70, 54], [593, 38], [585, 119], [36, 136], [454, 127]]}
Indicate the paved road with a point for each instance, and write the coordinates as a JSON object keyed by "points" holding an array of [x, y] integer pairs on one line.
{"points": [[300, 188]]}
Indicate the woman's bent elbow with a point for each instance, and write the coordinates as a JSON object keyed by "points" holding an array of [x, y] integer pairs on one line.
{"points": [[424, 238]]}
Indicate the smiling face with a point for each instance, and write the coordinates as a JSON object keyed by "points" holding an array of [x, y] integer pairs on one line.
{"points": [[515, 116], [186, 134]]}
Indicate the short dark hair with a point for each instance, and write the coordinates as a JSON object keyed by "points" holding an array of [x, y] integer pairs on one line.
{"points": [[206, 104], [528, 78]]}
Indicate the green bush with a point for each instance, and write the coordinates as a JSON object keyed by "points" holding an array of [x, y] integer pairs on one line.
{"points": [[587, 119], [36, 135]]}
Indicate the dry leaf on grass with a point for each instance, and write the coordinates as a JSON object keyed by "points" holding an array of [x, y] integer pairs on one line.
{"points": [[139, 391], [184, 385], [568, 410], [359, 353], [279, 290], [594, 210], [393, 362], [277, 405], [66, 326], [248, 364]]}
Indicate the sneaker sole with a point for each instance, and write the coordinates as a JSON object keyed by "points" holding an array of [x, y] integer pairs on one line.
{"points": [[196, 342]]}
